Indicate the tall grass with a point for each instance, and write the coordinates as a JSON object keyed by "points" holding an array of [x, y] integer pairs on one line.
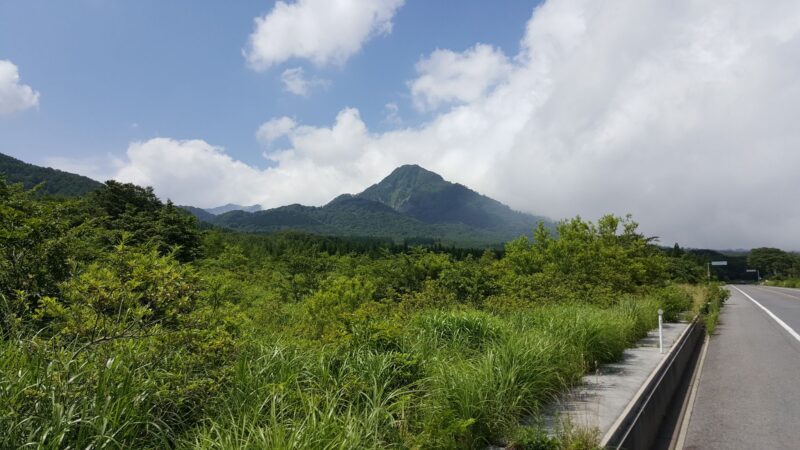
{"points": [[483, 398], [53, 400], [451, 379], [715, 296], [286, 396]]}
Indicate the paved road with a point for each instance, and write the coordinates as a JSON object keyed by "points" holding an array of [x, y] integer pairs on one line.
{"points": [[749, 391]]}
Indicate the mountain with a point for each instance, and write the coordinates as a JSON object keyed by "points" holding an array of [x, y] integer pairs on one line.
{"points": [[409, 203], [56, 182], [232, 207], [427, 197], [343, 216], [201, 214]]}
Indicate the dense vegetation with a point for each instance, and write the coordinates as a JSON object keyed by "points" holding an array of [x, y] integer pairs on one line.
{"points": [[55, 182], [123, 325], [410, 203], [774, 263]]}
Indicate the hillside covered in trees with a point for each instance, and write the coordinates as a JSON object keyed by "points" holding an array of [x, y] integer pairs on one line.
{"points": [[410, 203], [54, 181]]}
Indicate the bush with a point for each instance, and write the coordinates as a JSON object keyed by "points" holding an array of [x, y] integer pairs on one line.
{"points": [[117, 333], [716, 297], [674, 301]]}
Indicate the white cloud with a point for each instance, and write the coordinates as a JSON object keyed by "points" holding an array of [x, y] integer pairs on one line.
{"points": [[391, 114], [321, 31], [295, 81], [274, 129], [682, 113], [13, 95], [197, 173], [447, 76], [192, 172]]}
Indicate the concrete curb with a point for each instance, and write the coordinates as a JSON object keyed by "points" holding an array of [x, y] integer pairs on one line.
{"points": [[638, 426]]}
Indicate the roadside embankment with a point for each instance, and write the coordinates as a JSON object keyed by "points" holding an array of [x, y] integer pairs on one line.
{"points": [[625, 400]]}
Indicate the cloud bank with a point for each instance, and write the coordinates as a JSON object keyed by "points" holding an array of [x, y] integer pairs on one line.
{"points": [[14, 96], [321, 31], [449, 77], [682, 113]]}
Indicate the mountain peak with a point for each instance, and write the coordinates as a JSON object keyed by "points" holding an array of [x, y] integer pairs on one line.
{"points": [[429, 198], [402, 184], [413, 170]]}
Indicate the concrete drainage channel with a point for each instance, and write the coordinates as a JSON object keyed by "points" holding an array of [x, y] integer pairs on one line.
{"points": [[654, 414]]}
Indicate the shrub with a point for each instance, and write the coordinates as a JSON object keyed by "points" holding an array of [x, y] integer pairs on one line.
{"points": [[674, 301], [716, 296]]}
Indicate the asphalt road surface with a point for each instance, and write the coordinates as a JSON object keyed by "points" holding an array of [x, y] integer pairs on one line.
{"points": [[748, 396]]}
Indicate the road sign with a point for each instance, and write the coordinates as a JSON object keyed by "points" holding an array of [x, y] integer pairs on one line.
{"points": [[752, 270], [719, 263]]}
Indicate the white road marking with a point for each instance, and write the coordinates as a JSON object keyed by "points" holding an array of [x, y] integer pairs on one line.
{"points": [[780, 322]]}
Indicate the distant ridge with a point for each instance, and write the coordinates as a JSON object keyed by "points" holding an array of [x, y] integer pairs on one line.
{"points": [[409, 203], [56, 182], [232, 207]]}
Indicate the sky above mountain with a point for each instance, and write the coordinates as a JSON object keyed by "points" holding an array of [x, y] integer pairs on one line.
{"points": [[682, 113]]}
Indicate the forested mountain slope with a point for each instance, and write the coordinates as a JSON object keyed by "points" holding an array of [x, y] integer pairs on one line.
{"points": [[410, 203], [56, 182]]}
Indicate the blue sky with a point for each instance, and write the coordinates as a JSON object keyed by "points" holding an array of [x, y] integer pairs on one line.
{"points": [[110, 72], [682, 113]]}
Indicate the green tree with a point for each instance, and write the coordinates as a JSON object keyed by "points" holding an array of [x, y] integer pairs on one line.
{"points": [[136, 212], [35, 249], [770, 260], [128, 293], [331, 309], [583, 261]]}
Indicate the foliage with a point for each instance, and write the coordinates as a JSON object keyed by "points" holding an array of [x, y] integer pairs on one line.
{"points": [[35, 249], [715, 298], [683, 267], [586, 262], [52, 182], [675, 301], [127, 293], [125, 326], [772, 261], [136, 213]]}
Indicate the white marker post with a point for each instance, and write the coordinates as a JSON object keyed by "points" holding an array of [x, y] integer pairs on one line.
{"points": [[660, 331]]}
